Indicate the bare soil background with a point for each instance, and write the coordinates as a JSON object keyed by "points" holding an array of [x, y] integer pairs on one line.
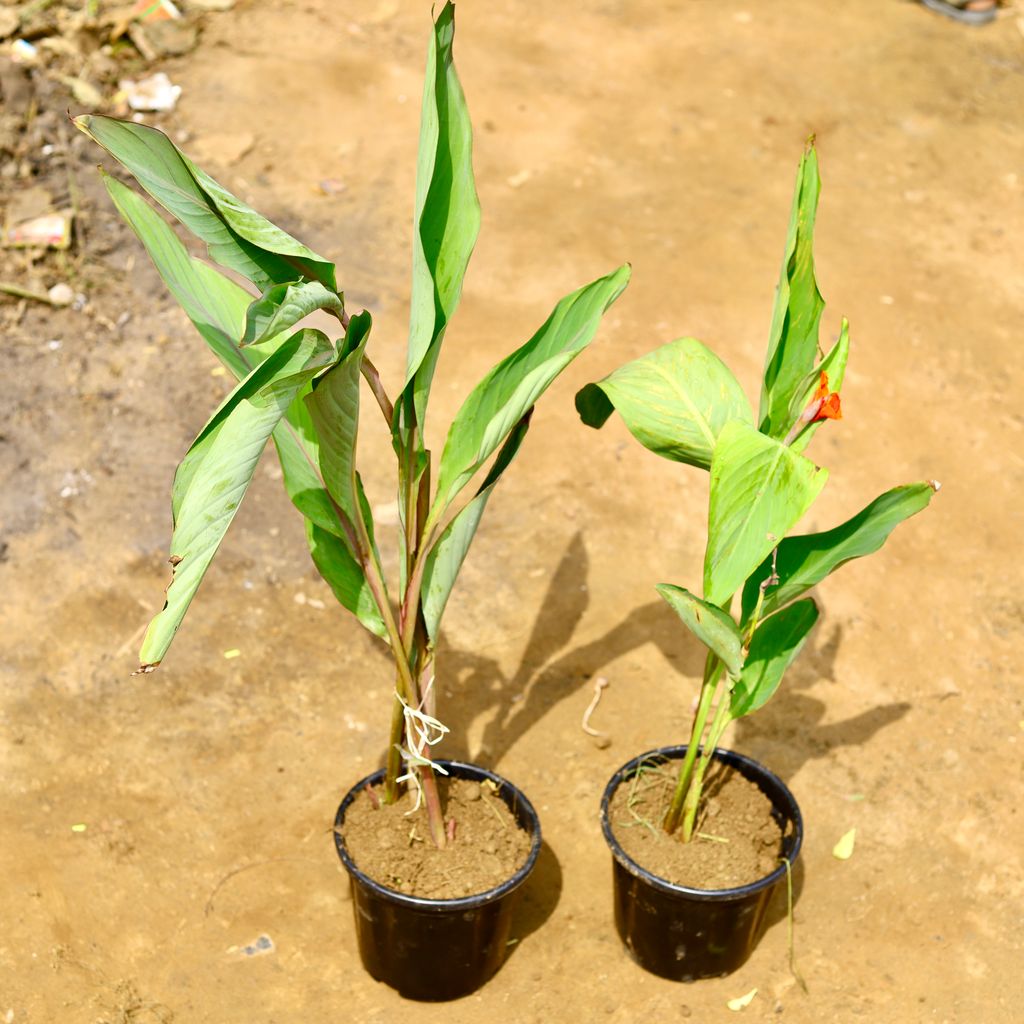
{"points": [[666, 134]]}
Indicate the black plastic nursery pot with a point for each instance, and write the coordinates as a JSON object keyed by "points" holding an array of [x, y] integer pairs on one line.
{"points": [[685, 934], [436, 949]]}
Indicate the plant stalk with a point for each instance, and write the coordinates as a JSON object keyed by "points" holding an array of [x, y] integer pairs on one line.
{"points": [[718, 724], [712, 671]]}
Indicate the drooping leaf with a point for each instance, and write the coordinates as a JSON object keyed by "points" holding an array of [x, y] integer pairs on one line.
{"points": [[804, 561], [759, 489], [793, 341], [214, 476], [217, 307], [446, 557], [674, 400], [447, 216], [236, 235], [834, 368], [502, 398], [344, 576], [282, 306], [709, 624], [774, 645]]}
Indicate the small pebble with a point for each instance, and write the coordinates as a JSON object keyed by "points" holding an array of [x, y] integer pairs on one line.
{"points": [[61, 295]]}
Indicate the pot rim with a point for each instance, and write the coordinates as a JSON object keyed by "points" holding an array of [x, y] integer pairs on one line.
{"points": [[459, 769], [754, 770]]}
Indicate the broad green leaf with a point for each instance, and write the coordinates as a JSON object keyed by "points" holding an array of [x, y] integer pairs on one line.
{"points": [[447, 216], [213, 303], [446, 557], [333, 406], [503, 397], [759, 489], [709, 624], [834, 366], [804, 561], [344, 576], [208, 489], [793, 342], [282, 306], [217, 307], [236, 236], [674, 400], [774, 645]]}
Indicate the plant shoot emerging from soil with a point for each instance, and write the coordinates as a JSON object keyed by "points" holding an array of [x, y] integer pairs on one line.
{"points": [[683, 403], [301, 388]]}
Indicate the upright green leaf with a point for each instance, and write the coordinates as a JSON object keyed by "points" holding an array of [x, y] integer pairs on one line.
{"points": [[446, 557], [804, 561], [236, 235], [334, 408], [282, 306], [345, 577], [447, 211], [502, 398], [215, 475], [759, 489], [709, 624], [674, 400], [774, 645], [793, 342]]}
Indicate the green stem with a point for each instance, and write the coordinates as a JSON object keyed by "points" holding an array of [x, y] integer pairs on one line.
{"points": [[718, 725], [712, 671]]}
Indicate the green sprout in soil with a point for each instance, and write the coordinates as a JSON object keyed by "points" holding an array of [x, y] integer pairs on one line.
{"points": [[302, 389], [683, 403]]}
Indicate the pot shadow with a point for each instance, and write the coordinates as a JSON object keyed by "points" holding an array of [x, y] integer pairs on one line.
{"points": [[537, 898]]}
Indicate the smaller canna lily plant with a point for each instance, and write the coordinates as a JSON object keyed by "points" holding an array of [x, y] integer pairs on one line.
{"points": [[302, 389], [683, 403]]}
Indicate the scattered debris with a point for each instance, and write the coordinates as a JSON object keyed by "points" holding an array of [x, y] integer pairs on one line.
{"points": [[61, 295], [155, 10], [742, 1002], [80, 827], [519, 179], [23, 52], [843, 850], [599, 685], [52, 231], [156, 93], [260, 946], [82, 91], [330, 186], [233, 653]]}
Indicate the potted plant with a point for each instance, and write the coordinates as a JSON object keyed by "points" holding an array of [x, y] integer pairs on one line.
{"points": [[697, 914], [301, 388]]}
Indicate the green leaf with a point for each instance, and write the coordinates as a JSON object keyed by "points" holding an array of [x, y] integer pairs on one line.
{"points": [[759, 489], [344, 576], [503, 397], [804, 561], [674, 400], [217, 307], [774, 645], [214, 476], [446, 557], [282, 306], [236, 236], [447, 216], [709, 624], [793, 342], [834, 366], [334, 409]]}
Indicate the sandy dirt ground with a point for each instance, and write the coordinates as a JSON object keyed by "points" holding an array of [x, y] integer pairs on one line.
{"points": [[666, 134]]}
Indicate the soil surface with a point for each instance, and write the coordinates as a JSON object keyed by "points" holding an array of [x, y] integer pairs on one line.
{"points": [[736, 839], [391, 842], [167, 848]]}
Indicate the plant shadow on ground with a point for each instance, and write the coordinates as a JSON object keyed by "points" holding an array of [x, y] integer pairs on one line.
{"points": [[789, 728]]}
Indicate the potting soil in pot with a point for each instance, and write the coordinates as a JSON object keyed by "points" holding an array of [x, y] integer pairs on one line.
{"points": [[394, 848], [737, 840]]}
